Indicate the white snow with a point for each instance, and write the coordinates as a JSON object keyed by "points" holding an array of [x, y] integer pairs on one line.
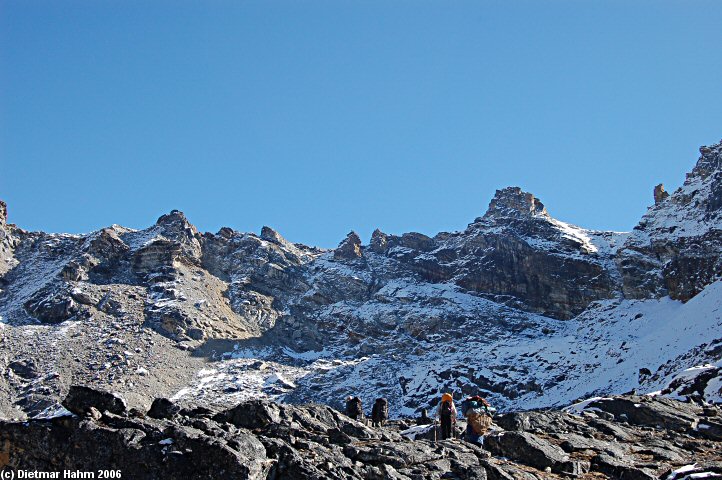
{"points": [[53, 411], [681, 470], [417, 430], [580, 407], [598, 353]]}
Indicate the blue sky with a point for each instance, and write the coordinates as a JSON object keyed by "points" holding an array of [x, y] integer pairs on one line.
{"points": [[318, 117]]}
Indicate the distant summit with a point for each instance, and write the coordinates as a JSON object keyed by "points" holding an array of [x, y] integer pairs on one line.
{"points": [[512, 201]]}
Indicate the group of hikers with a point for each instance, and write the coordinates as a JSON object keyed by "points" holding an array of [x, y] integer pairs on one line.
{"points": [[379, 412], [475, 409]]}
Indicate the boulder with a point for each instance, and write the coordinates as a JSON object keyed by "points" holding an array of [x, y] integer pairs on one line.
{"points": [[710, 428], [651, 411], [398, 455], [572, 442], [138, 450], [51, 306], [528, 449], [163, 408], [701, 469], [80, 399], [252, 415], [26, 369]]}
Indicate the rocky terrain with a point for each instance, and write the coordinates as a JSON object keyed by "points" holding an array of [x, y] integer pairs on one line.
{"points": [[524, 309], [622, 437]]}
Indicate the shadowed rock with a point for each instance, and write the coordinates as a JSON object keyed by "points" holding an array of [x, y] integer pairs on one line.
{"points": [[264, 440], [80, 399]]}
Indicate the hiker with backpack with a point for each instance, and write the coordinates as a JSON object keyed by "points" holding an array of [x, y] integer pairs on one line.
{"points": [[379, 412], [478, 419], [354, 408], [447, 415]]}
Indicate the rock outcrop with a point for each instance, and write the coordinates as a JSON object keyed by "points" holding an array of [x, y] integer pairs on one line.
{"points": [[7, 242], [676, 248], [518, 252], [349, 248], [660, 194]]}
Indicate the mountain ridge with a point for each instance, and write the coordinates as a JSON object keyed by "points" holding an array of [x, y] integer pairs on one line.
{"points": [[468, 311]]}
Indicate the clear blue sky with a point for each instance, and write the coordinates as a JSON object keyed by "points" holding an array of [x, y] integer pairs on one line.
{"points": [[318, 117]]}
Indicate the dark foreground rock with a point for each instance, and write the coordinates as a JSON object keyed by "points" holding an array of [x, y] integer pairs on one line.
{"points": [[263, 440]]}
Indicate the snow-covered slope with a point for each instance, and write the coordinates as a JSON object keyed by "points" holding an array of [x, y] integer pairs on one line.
{"points": [[522, 362]]}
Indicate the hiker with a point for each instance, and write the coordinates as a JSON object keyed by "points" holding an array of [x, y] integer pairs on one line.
{"points": [[424, 418], [354, 408], [447, 415], [478, 418], [380, 412]]}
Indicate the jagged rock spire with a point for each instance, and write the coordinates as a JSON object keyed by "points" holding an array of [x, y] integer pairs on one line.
{"points": [[379, 241], [513, 201], [3, 213], [349, 248], [660, 194], [176, 221], [176, 227]]}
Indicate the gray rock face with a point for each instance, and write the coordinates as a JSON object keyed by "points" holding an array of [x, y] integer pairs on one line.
{"points": [[156, 256], [54, 307], [516, 249], [675, 249]]}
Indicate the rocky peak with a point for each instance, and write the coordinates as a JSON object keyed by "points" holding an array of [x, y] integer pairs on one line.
{"points": [[176, 222], [176, 227], [709, 162], [349, 248], [290, 250], [660, 194], [676, 247], [271, 235], [379, 241], [514, 202]]}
